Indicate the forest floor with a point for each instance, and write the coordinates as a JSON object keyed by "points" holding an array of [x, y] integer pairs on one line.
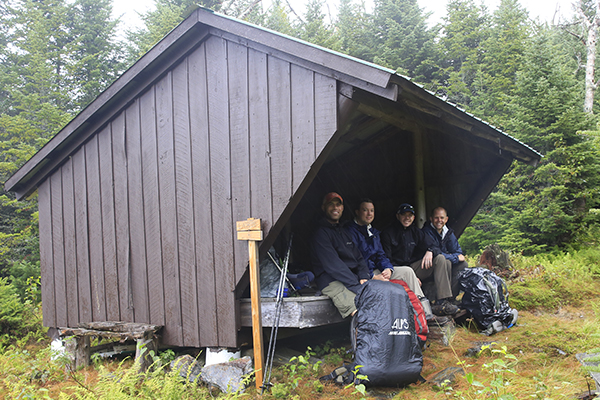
{"points": [[534, 359]]}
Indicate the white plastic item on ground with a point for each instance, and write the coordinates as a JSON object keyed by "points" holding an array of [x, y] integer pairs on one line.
{"points": [[58, 349], [217, 356]]}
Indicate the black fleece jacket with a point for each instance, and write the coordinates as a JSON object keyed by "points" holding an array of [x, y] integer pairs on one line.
{"points": [[403, 246], [335, 257]]}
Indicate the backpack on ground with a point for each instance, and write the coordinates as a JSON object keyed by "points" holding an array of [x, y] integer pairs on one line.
{"points": [[386, 346], [486, 298], [421, 327]]}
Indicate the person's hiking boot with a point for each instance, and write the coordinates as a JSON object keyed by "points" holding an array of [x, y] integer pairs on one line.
{"points": [[444, 308]]}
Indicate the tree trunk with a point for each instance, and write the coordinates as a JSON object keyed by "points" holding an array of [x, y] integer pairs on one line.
{"points": [[590, 65]]}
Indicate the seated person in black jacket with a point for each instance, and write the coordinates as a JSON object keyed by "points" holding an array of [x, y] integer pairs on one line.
{"points": [[405, 244], [337, 263]]}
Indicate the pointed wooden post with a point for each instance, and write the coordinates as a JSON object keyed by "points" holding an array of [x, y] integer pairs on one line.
{"points": [[250, 230]]}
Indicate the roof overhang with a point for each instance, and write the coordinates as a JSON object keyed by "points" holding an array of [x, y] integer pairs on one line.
{"points": [[379, 91]]}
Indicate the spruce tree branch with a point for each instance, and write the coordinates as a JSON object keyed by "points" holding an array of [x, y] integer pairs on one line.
{"points": [[249, 9], [294, 12], [575, 35]]}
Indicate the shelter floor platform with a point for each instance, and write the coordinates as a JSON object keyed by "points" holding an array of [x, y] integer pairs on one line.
{"points": [[296, 312]]}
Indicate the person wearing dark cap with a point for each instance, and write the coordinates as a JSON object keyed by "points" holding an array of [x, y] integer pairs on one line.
{"points": [[405, 244], [339, 267]]}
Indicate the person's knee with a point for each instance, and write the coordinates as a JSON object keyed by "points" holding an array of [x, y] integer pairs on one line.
{"points": [[439, 261], [342, 298]]}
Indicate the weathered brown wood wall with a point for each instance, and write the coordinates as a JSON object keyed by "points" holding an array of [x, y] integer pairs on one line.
{"points": [[138, 225]]}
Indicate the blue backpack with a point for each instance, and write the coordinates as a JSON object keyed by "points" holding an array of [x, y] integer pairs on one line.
{"points": [[384, 339]]}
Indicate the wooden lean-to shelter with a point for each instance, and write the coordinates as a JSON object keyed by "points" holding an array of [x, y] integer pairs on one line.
{"points": [[221, 121]]}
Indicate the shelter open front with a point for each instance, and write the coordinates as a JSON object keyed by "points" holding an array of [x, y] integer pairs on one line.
{"points": [[390, 165]]}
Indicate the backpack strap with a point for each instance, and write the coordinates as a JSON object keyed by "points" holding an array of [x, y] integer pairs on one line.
{"points": [[341, 375]]}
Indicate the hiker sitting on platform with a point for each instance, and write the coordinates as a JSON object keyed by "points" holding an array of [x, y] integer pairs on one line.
{"points": [[339, 267], [444, 236], [366, 237], [405, 244]]}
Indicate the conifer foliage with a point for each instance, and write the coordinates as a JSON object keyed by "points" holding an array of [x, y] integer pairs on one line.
{"points": [[524, 76]]}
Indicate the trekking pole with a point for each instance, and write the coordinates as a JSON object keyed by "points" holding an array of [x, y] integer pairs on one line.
{"points": [[275, 327], [280, 270]]}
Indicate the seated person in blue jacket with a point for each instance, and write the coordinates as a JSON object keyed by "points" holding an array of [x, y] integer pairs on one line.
{"points": [[405, 244], [339, 268], [366, 237], [444, 236]]}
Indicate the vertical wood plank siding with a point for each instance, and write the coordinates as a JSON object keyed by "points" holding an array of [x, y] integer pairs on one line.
{"points": [[139, 225], [237, 64], [138, 267], [96, 243], [260, 151], [220, 169], [70, 249], [58, 252], [280, 125], [46, 258], [168, 209], [303, 123], [185, 206], [111, 278], [122, 217], [152, 208], [201, 173], [81, 237]]}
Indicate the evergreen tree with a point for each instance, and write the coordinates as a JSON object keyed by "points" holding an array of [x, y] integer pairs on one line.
{"points": [[315, 29], [95, 55], [501, 59], [403, 40], [354, 28], [535, 209], [465, 29], [160, 21], [59, 58], [277, 19]]}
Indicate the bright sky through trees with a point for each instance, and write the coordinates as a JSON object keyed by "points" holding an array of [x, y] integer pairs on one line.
{"points": [[544, 9]]}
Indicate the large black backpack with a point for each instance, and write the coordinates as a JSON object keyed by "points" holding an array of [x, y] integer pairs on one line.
{"points": [[486, 298], [385, 343]]}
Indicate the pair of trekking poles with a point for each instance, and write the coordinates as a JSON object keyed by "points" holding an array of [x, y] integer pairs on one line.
{"points": [[274, 329]]}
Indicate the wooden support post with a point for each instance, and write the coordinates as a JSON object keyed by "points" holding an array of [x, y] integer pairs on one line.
{"points": [[419, 156], [78, 347], [142, 352], [250, 230]]}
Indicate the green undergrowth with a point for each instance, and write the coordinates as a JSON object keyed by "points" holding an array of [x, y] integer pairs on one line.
{"points": [[556, 295], [554, 280]]}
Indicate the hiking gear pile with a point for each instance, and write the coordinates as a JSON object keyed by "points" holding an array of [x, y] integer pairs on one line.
{"points": [[486, 298]]}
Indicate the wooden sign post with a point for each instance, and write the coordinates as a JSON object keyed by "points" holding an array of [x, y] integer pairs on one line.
{"points": [[250, 230]]}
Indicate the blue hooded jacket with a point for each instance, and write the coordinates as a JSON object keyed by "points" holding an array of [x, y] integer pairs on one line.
{"points": [[369, 246]]}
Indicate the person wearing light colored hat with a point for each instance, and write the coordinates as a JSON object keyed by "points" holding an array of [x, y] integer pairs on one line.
{"points": [[405, 244], [339, 267]]}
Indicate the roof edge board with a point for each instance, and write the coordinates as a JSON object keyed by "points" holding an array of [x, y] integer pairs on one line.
{"points": [[114, 98], [369, 72]]}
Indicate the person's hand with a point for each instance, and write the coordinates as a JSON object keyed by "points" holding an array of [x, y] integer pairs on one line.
{"points": [[461, 258], [427, 260], [379, 277], [387, 274], [362, 281]]}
